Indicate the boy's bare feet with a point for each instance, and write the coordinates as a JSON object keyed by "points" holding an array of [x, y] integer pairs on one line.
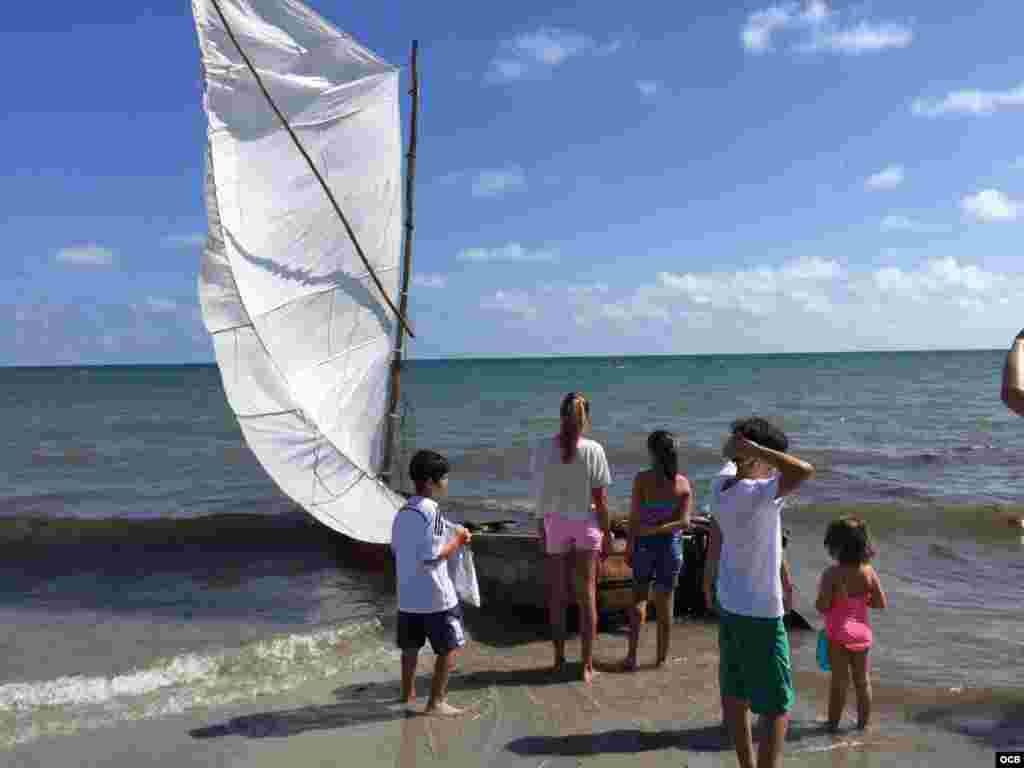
{"points": [[443, 709], [588, 674]]}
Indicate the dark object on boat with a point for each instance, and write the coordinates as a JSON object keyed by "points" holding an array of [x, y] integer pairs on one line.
{"points": [[511, 572], [794, 620]]}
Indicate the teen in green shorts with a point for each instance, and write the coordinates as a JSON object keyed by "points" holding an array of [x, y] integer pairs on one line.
{"points": [[745, 555]]}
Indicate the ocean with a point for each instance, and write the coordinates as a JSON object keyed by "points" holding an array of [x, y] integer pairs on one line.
{"points": [[151, 566]]}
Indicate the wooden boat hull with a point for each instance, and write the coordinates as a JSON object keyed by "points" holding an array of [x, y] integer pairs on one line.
{"points": [[510, 569]]}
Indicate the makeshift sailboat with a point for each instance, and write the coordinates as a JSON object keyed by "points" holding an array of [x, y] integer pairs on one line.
{"points": [[305, 212]]}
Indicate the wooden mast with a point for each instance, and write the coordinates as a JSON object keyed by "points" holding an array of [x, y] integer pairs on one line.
{"points": [[394, 417]]}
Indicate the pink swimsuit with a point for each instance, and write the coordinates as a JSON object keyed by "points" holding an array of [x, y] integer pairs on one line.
{"points": [[847, 624]]}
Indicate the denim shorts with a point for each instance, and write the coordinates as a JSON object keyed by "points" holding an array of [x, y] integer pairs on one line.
{"points": [[658, 559]]}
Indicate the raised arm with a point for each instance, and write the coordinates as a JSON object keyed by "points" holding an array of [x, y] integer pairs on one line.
{"points": [[1013, 376], [793, 471]]}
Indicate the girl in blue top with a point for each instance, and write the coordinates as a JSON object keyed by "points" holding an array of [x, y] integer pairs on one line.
{"points": [[660, 510]]}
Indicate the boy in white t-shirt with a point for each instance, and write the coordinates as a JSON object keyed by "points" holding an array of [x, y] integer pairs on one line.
{"points": [[428, 607], [754, 662]]}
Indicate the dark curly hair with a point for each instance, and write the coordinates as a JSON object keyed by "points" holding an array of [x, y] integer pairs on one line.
{"points": [[762, 432], [848, 541]]}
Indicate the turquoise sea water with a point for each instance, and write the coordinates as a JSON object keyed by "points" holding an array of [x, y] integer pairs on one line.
{"points": [[918, 442]]}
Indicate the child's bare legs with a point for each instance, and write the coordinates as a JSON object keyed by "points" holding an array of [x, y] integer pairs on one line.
{"points": [[862, 686], [586, 562], [839, 660], [637, 619], [556, 577], [736, 713], [439, 687], [409, 658], [769, 751], [664, 606]]}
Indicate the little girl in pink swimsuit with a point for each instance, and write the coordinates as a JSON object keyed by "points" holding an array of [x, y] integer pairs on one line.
{"points": [[847, 590]]}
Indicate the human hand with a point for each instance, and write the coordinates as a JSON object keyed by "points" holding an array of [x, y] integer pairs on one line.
{"points": [[463, 535]]}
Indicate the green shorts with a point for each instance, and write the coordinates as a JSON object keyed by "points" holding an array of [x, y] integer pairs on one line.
{"points": [[754, 662]]}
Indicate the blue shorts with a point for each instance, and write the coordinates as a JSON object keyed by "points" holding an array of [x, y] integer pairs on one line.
{"points": [[443, 629], [658, 559]]}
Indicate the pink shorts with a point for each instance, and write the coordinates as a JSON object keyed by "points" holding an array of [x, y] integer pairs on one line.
{"points": [[563, 534]]}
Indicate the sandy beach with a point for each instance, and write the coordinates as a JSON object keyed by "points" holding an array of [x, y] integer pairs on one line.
{"points": [[518, 714]]}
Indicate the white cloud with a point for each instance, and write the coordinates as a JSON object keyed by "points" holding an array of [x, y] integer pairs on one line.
{"points": [[513, 253], [451, 178], [159, 306], [152, 331], [862, 38], [815, 27], [970, 102], [803, 305], [514, 303], [537, 53], [648, 87], [86, 256], [495, 183], [428, 280], [761, 25], [990, 205], [898, 222], [184, 241], [887, 178]]}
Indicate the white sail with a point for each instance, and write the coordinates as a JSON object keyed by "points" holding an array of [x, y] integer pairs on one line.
{"points": [[302, 335]]}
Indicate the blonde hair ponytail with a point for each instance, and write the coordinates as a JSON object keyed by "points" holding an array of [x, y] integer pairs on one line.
{"points": [[575, 417]]}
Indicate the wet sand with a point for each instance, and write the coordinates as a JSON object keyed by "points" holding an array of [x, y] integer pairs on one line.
{"points": [[519, 714]]}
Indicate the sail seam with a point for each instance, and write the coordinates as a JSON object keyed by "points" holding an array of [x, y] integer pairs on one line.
{"points": [[313, 294], [267, 414]]}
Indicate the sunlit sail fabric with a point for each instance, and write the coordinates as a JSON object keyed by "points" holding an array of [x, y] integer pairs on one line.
{"points": [[302, 335]]}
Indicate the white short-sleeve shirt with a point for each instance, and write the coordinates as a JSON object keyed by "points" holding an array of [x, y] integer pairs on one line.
{"points": [[750, 519], [418, 534], [564, 489]]}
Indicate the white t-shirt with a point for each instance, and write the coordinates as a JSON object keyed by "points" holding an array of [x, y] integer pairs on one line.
{"points": [[750, 518], [418, 533], [564, 489]]}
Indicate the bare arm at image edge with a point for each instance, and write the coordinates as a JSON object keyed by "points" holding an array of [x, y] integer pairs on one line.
{"points": [[1013, 376]]}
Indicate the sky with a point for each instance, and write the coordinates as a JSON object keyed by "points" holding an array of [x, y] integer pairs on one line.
{"points": [[592, 179]]}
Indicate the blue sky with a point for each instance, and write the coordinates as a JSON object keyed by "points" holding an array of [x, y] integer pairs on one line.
{"points": [[592, 178]]}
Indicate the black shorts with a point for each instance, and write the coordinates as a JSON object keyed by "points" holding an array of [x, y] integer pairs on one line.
{"points": [[443, 629]]}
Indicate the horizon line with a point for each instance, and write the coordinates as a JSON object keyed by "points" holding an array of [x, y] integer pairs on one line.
{"points": [[479, 357]]}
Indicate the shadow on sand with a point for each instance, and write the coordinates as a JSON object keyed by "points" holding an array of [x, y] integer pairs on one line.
{"points": [[372, 703], [705, 738]]}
